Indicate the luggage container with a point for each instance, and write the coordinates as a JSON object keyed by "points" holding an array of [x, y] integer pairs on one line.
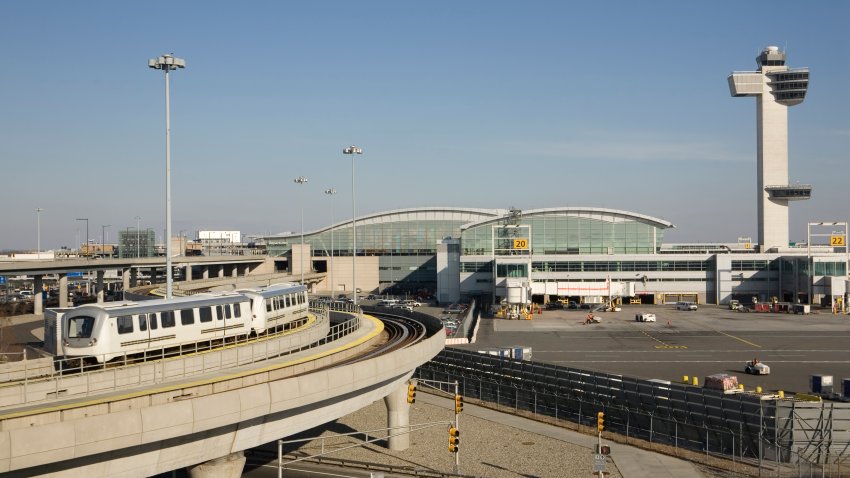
{"points": [[721, 381], [802, 308], [762, 307], [821, 384]]}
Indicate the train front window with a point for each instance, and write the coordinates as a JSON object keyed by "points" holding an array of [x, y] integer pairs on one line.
{"points": [[80, 327]]}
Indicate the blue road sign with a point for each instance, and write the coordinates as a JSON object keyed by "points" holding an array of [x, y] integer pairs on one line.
{"points": [[2, 280], [75, 274]]}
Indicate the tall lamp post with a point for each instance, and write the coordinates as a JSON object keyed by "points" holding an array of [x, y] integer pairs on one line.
{"points": [[353, 150], [38, 228], [302, 180], [330, 192], [87, 232], [102, 240], [167, 63]]}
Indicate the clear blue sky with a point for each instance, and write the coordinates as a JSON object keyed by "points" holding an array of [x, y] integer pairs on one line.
{"points": [[474, 103]]}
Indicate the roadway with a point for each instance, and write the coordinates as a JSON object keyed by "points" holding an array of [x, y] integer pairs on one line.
{"points": [[710, 340]]}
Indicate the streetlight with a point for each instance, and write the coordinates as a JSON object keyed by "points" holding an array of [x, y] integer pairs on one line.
{"points": [[330, 192], [102, 236], [167, 63], [87, 231], [352, 150], [38, 221], [302, 180], [138, 238]]}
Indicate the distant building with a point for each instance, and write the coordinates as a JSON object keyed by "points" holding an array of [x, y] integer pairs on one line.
{"points": [[136, 243], [220, 237]]}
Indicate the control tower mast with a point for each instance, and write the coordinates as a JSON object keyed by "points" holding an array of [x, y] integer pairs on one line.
{"points": [[776, 87]]}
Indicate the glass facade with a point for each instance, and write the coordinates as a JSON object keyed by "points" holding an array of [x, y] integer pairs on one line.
{"points": [[412, 233], [561, 233]]}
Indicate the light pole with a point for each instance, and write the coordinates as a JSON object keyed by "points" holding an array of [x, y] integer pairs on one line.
{"points": [[38, 227], [87, 232], [167, 63], [352, 150], [102, 236], [302, 180], [330, 192], [138, 238]]}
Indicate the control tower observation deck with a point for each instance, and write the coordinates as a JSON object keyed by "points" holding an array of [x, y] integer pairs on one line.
{"points": [[776, 87]]}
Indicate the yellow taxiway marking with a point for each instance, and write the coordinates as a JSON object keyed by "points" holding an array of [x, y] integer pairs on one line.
{"points": [[739, 338]]}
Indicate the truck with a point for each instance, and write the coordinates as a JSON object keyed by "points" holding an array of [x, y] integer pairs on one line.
{"points": [[755, 367]]}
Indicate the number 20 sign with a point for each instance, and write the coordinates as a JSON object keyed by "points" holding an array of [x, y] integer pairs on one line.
{"points": [[520, 243]]}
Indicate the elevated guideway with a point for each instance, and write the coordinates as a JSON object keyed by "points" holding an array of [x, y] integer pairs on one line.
{"points": [[202, 410]]}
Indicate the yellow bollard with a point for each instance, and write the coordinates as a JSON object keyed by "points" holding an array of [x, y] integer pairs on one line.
{"points": [[696, 382], [781, 394], [758, 389], [741, 386], [685, 379]]}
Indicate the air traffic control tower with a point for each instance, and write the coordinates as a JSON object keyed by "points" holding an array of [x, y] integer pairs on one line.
{"points": [[776, 87]]}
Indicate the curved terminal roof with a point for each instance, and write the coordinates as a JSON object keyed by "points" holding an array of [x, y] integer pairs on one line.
{"points": [[598, 213], [413, 214], [479, 217]]}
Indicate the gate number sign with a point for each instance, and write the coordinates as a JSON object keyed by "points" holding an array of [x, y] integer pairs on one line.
{"points": [[833, 240], [523, 243]]}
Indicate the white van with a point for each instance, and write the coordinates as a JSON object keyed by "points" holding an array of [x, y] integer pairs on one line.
{"points": [[387, 302], [686, 306]]}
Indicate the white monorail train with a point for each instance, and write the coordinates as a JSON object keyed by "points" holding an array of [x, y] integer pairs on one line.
{"points": [[109, 330]]}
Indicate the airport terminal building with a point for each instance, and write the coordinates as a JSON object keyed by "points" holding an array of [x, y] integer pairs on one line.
{"points": [[541, 255]]}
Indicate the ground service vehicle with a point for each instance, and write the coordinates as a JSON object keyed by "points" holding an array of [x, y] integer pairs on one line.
{"points": [[645, 317], [109, 330], [755, 367], [686, 306]]}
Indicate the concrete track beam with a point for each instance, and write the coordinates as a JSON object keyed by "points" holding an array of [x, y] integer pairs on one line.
{"points": [[63, 290], [38, 294], [99, 287]]}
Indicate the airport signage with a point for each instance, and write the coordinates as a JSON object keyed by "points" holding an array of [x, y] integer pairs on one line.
{"points": [[520, 243], [837, 240], [75, 274], [2, 280]]}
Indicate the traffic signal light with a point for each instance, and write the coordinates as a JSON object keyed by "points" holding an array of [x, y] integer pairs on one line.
{"points": [[600, 421], [411, 393], [454, 441], [458, 404]]}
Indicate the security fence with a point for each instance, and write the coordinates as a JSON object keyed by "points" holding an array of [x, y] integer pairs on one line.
{"points": [[788, 436]]}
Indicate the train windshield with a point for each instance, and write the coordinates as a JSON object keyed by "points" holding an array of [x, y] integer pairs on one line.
{"points": [[80, 327]]}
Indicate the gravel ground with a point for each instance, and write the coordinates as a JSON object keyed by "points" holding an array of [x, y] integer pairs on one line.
{"points": [[487, 449]]}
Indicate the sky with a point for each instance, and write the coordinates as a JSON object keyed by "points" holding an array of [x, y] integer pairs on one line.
{"points": [[484, 104]]}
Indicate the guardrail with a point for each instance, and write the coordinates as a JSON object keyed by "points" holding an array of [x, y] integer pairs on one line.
{"points": [[152, 369]]}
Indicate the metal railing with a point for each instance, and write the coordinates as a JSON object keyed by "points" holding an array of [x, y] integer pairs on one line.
{"points": [[738, 429], [152, 368]]}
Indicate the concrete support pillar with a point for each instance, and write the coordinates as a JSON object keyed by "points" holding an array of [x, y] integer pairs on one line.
{"points": [[221, 271], [38, 294], [153, 274], [188, 273], [229, 466], [63, 290], [398, 415], [205, 272], [99, 287], [234, 270], [125, 277], [247, 270], [134, 277]]}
